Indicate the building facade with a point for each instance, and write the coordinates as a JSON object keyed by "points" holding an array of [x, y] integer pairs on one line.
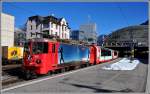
{"points": [[20, 37], [132, 35], [101, 40], [90, 32], [7, 29], [77, 35], [41, 27]]}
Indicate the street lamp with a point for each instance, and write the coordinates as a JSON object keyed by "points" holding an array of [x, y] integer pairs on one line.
{"points": [[131, 45], [132, 49]]}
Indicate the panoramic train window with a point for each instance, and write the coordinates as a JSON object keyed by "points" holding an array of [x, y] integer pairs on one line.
{"points": [[103, 52], [40, 47], [108, 53]]}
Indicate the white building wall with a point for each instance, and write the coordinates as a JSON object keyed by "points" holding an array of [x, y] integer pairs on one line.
{"points": [[52, 29], [7, 30], [33, 30], [29, 23], [65, 32], [60, 32]]}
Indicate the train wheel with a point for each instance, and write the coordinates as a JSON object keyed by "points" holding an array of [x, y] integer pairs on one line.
{"points": [[33, 75], [77, 67], [62, 70], [66, 69], [83, 65], [87, 64], [27, 75], [71, 68], [50, 73], [56, 71]]}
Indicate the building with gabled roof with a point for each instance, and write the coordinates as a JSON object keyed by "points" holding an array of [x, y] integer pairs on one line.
{"points": [[43, 27]]}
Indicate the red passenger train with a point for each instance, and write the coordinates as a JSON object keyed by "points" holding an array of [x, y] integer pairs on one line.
{"points": [[100, 55], [43, 56]]}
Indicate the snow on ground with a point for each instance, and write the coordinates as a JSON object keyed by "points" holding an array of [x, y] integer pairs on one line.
{"points": [[123, 64]]}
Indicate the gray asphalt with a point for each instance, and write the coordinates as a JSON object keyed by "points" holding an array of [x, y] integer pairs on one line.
{"points": [[94, 80]]}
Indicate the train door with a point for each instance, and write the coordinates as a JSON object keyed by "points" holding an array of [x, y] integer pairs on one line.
{"points": [[98, 55], [102, 55], [53, 55], [92, 55], [113, 54]]}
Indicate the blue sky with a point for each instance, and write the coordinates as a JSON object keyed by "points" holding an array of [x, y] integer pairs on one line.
{"points": [[108, 16]]}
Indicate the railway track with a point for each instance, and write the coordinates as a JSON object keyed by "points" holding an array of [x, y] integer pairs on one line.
{"points": [[10, 66], [14, 75], [11, 74]]}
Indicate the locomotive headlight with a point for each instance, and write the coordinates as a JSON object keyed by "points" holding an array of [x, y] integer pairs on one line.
{"points": [[38, 61]]}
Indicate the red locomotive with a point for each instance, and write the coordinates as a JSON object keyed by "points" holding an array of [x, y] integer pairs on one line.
{"points": [[43, 56]]}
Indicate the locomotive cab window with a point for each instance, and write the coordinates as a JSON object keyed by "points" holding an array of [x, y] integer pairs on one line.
{"points": [[39, 47], [27, 47]]}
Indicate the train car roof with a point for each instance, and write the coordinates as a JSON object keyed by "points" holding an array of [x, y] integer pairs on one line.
{"points": [[49, 40], [41, 40], [108, 49], [104, 48]]}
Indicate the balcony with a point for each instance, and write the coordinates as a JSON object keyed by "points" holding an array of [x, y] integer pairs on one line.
{"points": [[44, 29]]}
